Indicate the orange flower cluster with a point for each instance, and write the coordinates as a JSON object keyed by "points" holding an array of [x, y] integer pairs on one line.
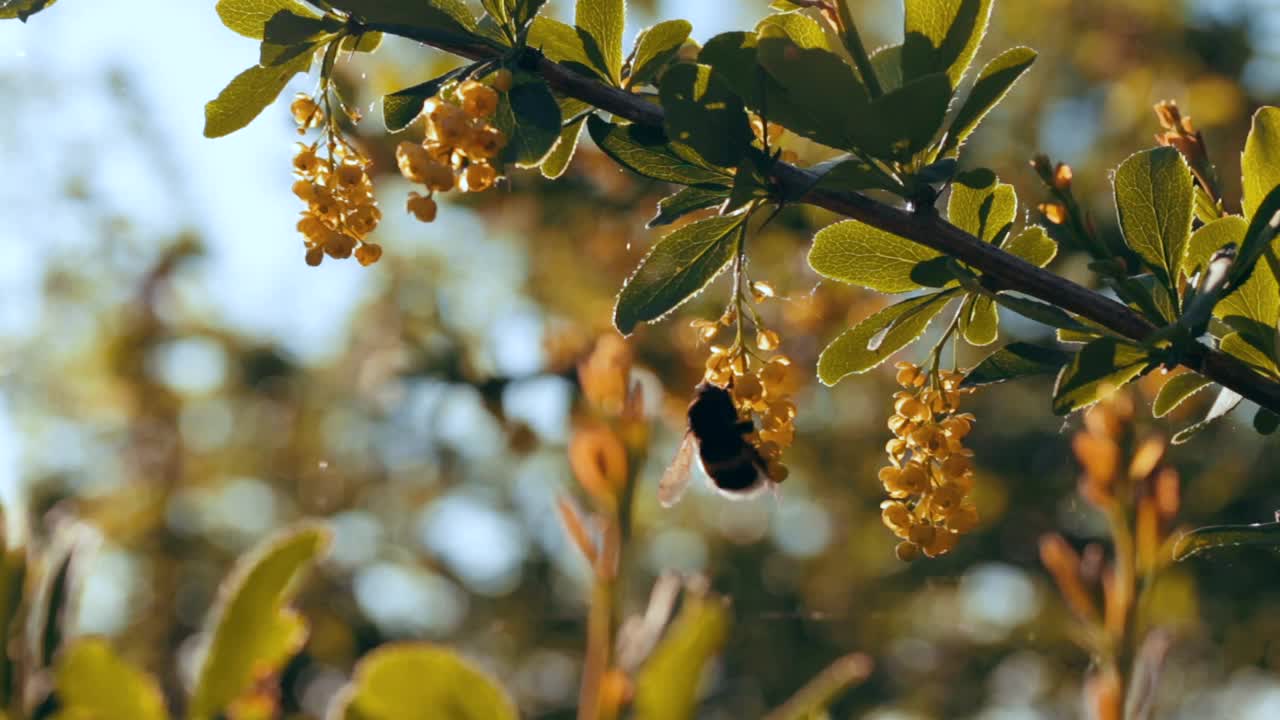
{"points": [[931, 471], [333, 180], [459, 146], [761, 386]]}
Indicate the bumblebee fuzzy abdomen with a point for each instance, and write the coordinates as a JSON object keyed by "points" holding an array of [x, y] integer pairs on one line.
{"points": [[737, 473]]}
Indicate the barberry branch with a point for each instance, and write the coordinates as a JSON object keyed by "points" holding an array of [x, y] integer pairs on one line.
{"points": [[1005, 271]]}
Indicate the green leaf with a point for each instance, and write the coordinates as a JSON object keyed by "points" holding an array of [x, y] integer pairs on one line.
{"points": [[497, 10], [1014, 361], [525, 10], [850, 174], [1216, 536], [22, 9], [603, 21], [647, 151], [365, 42], [1259, 240], [447, 19], [812, 91], [1260, 163], [994, 82], [905, 121], [1257, 301], [564, 44], [253, 632], [558, 160], [420, 681], [703, 113], [678, 267], [93, 682], [1046, 314], [1154, 197], [889, 330], [1226, 401], [982, 206], [1247, 347], [943, 36], [287, 36], [655, 47], [979, 320], [249, 17], [667, 684], [1034, 245], [248, 94], [401, 108], [858, 254], [530, 117], [748, 185], [1210, 238], [1176, 391], [887, 63], [690, 199], [1101, 367]]}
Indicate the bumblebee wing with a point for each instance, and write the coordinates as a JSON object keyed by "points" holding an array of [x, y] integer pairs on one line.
{"points": [[676, 478]]}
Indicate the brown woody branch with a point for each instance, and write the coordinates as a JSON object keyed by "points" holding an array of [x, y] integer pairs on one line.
{"points": [[1007, 271]]}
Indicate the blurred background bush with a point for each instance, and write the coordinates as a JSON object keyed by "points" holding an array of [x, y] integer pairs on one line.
{"points": [[171, 371]]}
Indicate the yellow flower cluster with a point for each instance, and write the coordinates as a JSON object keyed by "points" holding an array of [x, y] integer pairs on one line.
{"points": [[333, 180], [459, 144], [931, 471], [761, 386]]}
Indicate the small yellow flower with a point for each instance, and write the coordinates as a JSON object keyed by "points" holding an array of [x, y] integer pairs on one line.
{"points": [[931, 472]]}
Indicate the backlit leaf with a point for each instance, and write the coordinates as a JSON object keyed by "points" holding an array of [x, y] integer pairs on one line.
{"points": [[852, 351], [249, 17], [403, 107], [1101, 367], [420, 681], [1216, 536], [1260, 163], [253, 631], [667, 684], [982, 206], [647, 151], [678, 267], [248, 94], [1176, 391], [1226, 401], [904, 121], [1247, 347], [564, 44], [1016, 360], [980, 320], [703, 113], [994, 82], [530, 117], [1153, 191], [603, 21], [690, 199], [93, 682], [655, 47], [1034, 245], [558, 160], [943, 36], [448, 20], [856, 253]]}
